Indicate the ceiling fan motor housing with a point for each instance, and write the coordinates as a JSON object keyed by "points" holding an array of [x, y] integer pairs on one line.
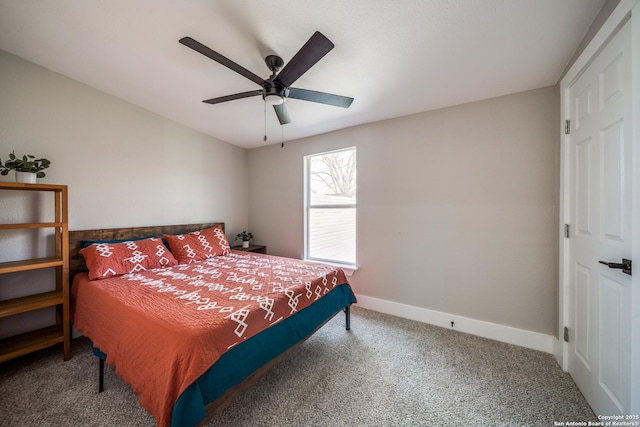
{"points": [[273, 89]]}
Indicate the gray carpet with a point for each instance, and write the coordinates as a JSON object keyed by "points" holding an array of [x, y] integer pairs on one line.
{"points": [[386, 371]]}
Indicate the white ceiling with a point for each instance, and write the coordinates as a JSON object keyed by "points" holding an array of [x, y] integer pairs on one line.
{"points": [[395, 57]]}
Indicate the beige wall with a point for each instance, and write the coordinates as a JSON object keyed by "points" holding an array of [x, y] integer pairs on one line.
{"points": [[457, 208], [124, 165]]}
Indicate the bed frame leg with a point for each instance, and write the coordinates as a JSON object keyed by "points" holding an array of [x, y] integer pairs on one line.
{"points": [[101, 376], [347, 313]]}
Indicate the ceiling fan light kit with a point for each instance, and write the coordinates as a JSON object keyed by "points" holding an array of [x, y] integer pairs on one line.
{"points": [[277, 88], [273, 99]]}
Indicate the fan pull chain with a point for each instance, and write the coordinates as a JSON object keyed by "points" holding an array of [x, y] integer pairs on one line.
{"points": [[265, 121], [282, 137]]}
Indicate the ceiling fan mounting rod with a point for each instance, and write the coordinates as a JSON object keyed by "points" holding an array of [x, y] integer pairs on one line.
{"points": [[274, 62]]}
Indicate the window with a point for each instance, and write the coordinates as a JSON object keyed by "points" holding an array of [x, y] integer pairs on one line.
{"points": [[330, 206]]}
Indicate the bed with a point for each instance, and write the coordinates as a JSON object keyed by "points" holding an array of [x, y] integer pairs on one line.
{"points": [[191, 332]]}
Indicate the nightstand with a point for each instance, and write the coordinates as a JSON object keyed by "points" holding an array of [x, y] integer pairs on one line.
{"points": [[259, 249]]}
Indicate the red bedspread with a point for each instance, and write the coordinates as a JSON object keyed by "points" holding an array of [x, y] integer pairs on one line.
{"points": [[162, 329]]}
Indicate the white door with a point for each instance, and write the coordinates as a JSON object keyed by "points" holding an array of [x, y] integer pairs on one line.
{"points": [[600, 210]]}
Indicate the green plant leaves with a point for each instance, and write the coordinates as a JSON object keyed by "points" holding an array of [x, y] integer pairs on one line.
{"points": [[28, 163], [244, 236]]}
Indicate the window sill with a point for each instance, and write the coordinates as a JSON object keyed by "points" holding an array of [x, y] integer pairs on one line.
{"points": [[348, 269]]}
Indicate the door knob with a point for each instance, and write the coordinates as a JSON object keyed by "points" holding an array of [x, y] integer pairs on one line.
{"points": [[625, 266]]}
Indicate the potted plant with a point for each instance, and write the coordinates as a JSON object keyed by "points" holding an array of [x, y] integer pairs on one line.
{"points": [[245, 237], [27, 167]]}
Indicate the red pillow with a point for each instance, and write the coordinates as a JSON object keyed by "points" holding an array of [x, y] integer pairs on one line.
{"points": [[114, 259], [198, 245]]}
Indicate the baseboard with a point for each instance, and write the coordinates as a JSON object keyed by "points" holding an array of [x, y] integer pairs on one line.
{"points": [[557, 350], [507, 334]]}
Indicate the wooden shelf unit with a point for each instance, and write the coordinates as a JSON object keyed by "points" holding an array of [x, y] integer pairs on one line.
{"points": [[59, 298]]}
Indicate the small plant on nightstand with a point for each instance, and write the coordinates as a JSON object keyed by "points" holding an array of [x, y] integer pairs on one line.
{"points": [[245, 237]]}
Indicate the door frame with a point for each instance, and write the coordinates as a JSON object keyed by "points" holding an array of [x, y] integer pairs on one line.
{"points": [[626, 9]]}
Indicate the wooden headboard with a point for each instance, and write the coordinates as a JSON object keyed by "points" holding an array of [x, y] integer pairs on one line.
{"points": [[76, 261]]}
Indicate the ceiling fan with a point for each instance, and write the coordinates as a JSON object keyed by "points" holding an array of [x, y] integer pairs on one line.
{"points": [[277, 88]]}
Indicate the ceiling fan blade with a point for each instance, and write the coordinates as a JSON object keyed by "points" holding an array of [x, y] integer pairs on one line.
{"points": [[312, 51], [320, 97], [204, 50], [234, 96], [282, 113]]}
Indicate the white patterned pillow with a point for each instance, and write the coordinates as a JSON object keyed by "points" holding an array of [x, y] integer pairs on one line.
{"points": [[198, 245], [115, 259]]}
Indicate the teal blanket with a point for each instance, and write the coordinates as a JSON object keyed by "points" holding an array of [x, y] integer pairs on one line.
{"points": [[238, 363]]}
